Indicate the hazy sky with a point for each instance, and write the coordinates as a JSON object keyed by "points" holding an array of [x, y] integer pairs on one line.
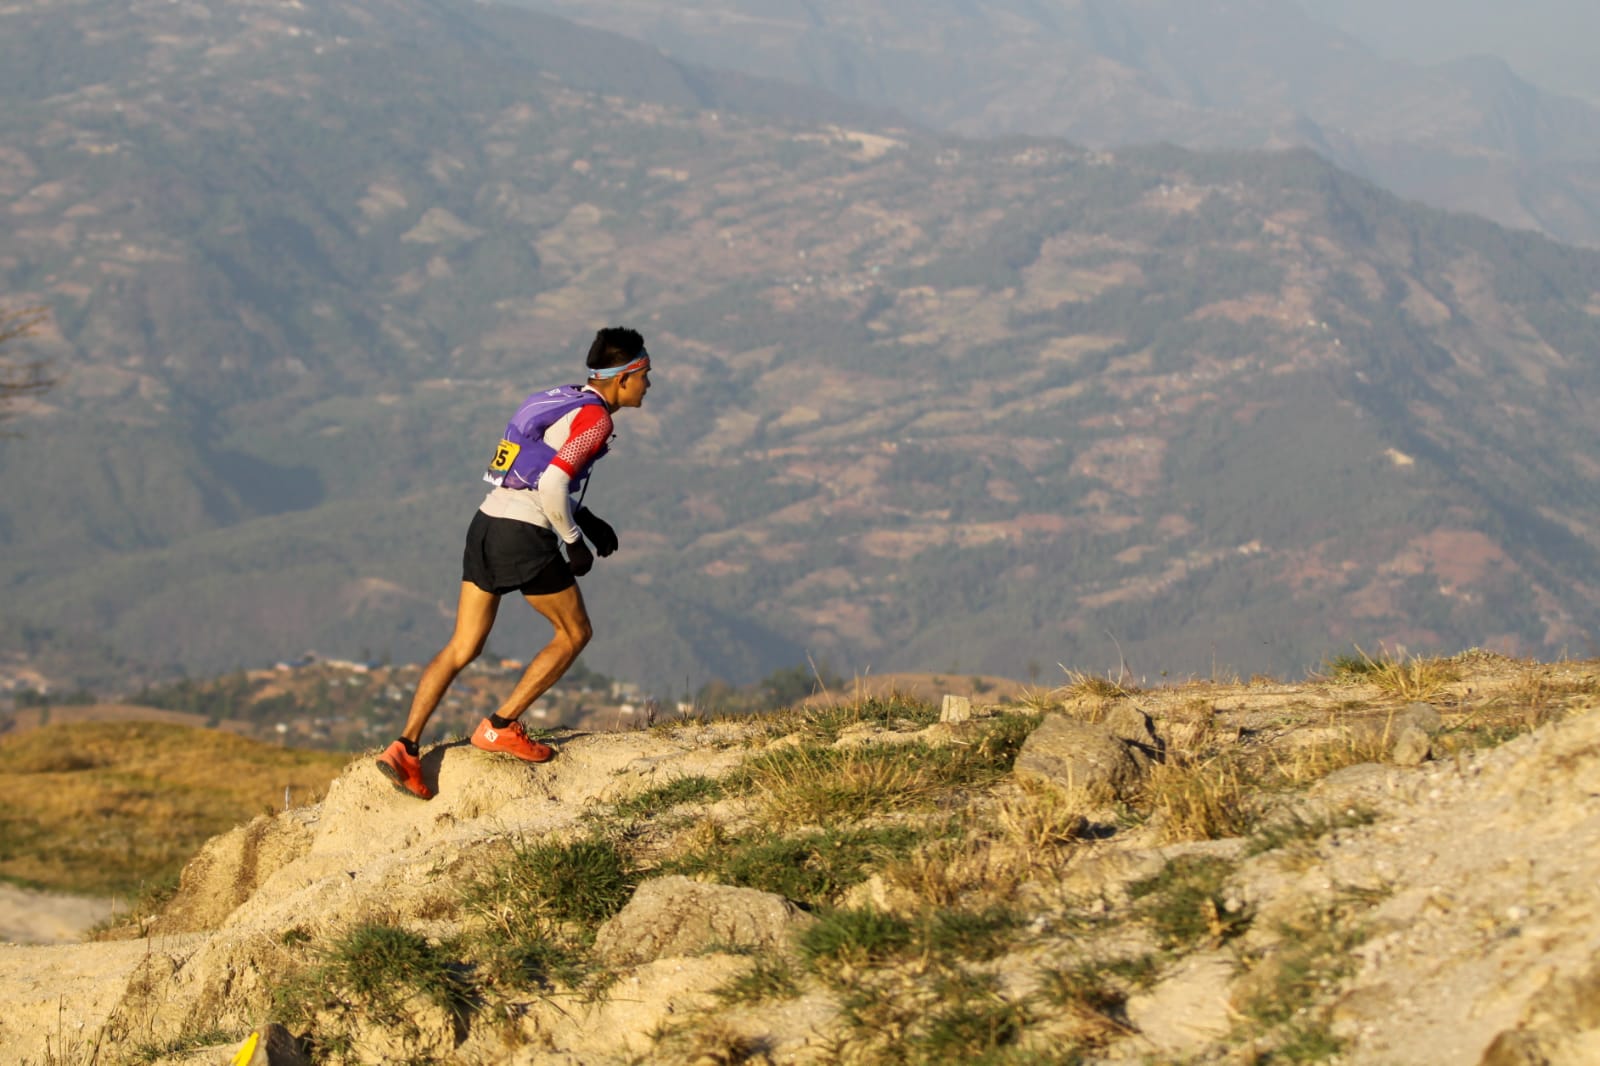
{"points": [[1553, 43]]}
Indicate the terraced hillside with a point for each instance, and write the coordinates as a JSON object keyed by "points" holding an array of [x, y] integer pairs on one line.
{"points": [[923, 403]]}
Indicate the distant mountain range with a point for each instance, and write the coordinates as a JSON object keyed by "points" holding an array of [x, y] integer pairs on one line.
{"points": [[1468, 135], [921, 402], [1550, 42]]}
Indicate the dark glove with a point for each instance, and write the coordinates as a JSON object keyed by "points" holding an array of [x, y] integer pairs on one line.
{"points": [[579, 558], [598, 530]]}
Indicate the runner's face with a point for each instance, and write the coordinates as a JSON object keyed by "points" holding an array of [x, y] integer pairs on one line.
{"points": [[632, 387]]}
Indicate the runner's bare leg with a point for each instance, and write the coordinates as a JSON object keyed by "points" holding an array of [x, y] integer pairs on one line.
{"points": [[570, 619], [475, 612]]}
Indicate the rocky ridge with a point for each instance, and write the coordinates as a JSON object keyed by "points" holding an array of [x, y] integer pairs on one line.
{"points": [[1270, 881]]}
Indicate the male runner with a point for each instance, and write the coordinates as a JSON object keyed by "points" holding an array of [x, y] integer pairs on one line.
{"points": [[513, 545]]}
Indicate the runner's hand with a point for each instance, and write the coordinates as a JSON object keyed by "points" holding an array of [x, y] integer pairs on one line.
{"points": [[598, 530], [579, 558]]}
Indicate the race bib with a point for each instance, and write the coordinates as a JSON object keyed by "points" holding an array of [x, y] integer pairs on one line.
{"points": [[505, 453]]}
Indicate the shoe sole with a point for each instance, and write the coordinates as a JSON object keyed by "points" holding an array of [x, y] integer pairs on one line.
{"points": [[394, 779]]}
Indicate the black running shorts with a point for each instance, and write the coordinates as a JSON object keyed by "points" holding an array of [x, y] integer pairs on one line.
{"points": [[504, 555]]}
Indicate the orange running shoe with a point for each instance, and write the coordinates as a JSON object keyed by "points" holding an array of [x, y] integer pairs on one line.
{"points": [[513, 740], [404, 770]]}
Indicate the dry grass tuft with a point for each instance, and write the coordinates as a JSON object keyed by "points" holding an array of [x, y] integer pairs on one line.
{"points": [[1090, 687], [1416, 678], [705, 834], [1037, 818], [965, 871], [1093, 690], [826, 786], [1302, 765], [1039, 700], [1205, 800], [1191, 726]]}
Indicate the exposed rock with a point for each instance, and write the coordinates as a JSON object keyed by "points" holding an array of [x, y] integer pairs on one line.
{"points": [[1412, 747], [1135, 728], [880, 895], [1491, 910], [1188, 1008], [1078, 756], [1403, 736], [1106, 872], [230, 868], [623, 1027], [1423, 716], [1560, 1027], [1364, 784], [674, 916], [955, 708], [868, 733]]}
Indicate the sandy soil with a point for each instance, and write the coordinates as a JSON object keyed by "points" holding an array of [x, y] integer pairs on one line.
{"points": [[42, 918]]}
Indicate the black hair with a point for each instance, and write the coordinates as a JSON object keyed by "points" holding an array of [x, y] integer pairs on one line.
{"points": [[614, 346]]}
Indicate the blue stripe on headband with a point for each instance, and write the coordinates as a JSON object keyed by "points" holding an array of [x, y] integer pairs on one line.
{"points": [[618, 371]]}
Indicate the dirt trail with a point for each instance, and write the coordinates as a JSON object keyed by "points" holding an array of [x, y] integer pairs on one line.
{"points": [[28, 917]]}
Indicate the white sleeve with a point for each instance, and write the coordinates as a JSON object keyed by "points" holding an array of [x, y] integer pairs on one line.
{"points": [[557, 504]]}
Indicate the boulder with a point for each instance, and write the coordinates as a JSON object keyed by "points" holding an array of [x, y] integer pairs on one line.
{"points": [[1078, 756], [1412, 747], [674, 916], [1136, 729]]}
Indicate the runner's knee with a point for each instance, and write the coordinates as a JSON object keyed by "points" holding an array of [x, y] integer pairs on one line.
{"points": [[576, 633], [461, 653]]}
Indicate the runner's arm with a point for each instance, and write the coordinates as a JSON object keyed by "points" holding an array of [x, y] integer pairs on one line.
{"points": [[590, 430]]}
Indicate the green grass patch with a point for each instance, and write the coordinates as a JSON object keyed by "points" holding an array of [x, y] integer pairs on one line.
{"points": [[855, 936], [1139, 971], [372, 973], [970, 1023], [1084, 987], [1357, 665], [814, 868], [1305, 1042], [975, 935], [675, 793], [1184, 903], [1310, 959], [583, 882], [529, 962]]}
